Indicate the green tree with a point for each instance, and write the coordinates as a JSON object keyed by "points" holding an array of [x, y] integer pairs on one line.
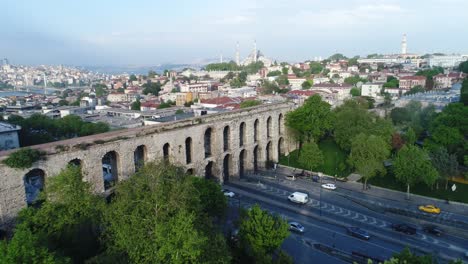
{"points": [[136, 105], [448, 127], [355, 92], [367, 155], [310, 156], [262, 233], [407, 257], [353, 80], [315, 67], [392, 82], [151, 88], [26, 247], [282, 80], [250, 103], [307, 84], [69, 217], [463, 67], [412, 165], [446, 164], [410, 136], [23, 158], [63, 102], [225, 66], [100, 89], [151, 74], [312, 120], [337, 56], [132, 78], [464, 92], [158, 216], [213, 202], [274, 73], [285, 70], [352, 118]]}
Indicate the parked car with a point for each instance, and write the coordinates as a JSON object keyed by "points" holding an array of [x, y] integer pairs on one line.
{"points": [[433, 230], [296, 227], [430, 209], [298, 197], [329, 186], [404, 228], [358, 232], [315, 178], [290, 177], [228, 193]]}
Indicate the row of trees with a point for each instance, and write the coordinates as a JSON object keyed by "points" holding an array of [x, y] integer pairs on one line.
{"points": [[370, 140], [39, 129], [159, 215]]}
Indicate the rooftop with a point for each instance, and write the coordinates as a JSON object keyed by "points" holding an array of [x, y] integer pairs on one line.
{"points": [[6, 127]]}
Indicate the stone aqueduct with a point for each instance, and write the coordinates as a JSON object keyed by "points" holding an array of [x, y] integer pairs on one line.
{"points": [[219, 146]]}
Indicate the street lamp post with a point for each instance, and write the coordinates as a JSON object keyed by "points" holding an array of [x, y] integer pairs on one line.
{"points": [[320, 198]]}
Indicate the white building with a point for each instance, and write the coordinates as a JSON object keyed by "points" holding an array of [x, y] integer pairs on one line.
{"points": [[371, 89], [195, 87], [446, 61], [243, 92], [9, 136]]}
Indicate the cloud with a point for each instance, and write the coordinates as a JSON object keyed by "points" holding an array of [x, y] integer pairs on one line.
{"points": [[361, 15]]}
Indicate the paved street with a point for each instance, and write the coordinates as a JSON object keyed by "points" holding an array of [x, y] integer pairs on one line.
{"points": [[327, 214]]}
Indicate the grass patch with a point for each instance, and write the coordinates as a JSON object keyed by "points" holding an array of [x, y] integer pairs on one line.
{"points": [[459, 195], [333, 156]]}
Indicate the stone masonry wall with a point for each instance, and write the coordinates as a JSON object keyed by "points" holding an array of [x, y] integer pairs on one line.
{"points": [[91, 149]]}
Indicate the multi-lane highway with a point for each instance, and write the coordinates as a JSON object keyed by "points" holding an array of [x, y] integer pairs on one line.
{"points": [[328, 213]]}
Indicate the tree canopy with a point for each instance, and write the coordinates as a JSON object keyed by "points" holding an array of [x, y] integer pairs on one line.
{"points": [[337, 56], [151, 88], [162, 215], [368, 154], [38, 129], [250, 103], [262, 233], [412, 165], [352, 118], [310, 156], [312, 120]]}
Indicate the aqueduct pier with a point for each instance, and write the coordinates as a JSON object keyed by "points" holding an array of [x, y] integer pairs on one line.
{"points": [[218, 146]]}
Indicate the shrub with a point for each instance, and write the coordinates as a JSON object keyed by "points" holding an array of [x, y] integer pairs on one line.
{"points": [[23, 158]]}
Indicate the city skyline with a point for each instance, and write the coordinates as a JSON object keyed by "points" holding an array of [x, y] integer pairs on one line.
{"points": [[149, 33]]}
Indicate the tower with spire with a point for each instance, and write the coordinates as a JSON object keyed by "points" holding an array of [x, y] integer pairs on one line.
{"points": [[237, 54], [255, 51], [403, 45]]}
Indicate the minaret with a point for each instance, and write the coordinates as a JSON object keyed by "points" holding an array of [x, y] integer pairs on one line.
{"points": [[221, 58], [45, 83], [237, 54], [255, 51], [403, 45]]}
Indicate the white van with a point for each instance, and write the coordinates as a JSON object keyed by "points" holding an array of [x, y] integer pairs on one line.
{"points": [[298, 197]]}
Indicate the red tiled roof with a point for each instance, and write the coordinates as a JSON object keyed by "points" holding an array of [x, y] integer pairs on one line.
{"points": [[420, 78], [332, 85], [302, 92]]}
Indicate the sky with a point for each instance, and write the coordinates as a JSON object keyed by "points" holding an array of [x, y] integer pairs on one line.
{"points": [[150, 32]]}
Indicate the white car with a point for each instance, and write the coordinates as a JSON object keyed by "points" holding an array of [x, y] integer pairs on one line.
{"points": [[329, 186], [228, 193]]}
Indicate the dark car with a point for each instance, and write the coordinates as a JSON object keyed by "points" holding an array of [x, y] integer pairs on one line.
{"points": [[315, 178], [404, 228], [358, 232], [296, 227], [433, 230]]}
